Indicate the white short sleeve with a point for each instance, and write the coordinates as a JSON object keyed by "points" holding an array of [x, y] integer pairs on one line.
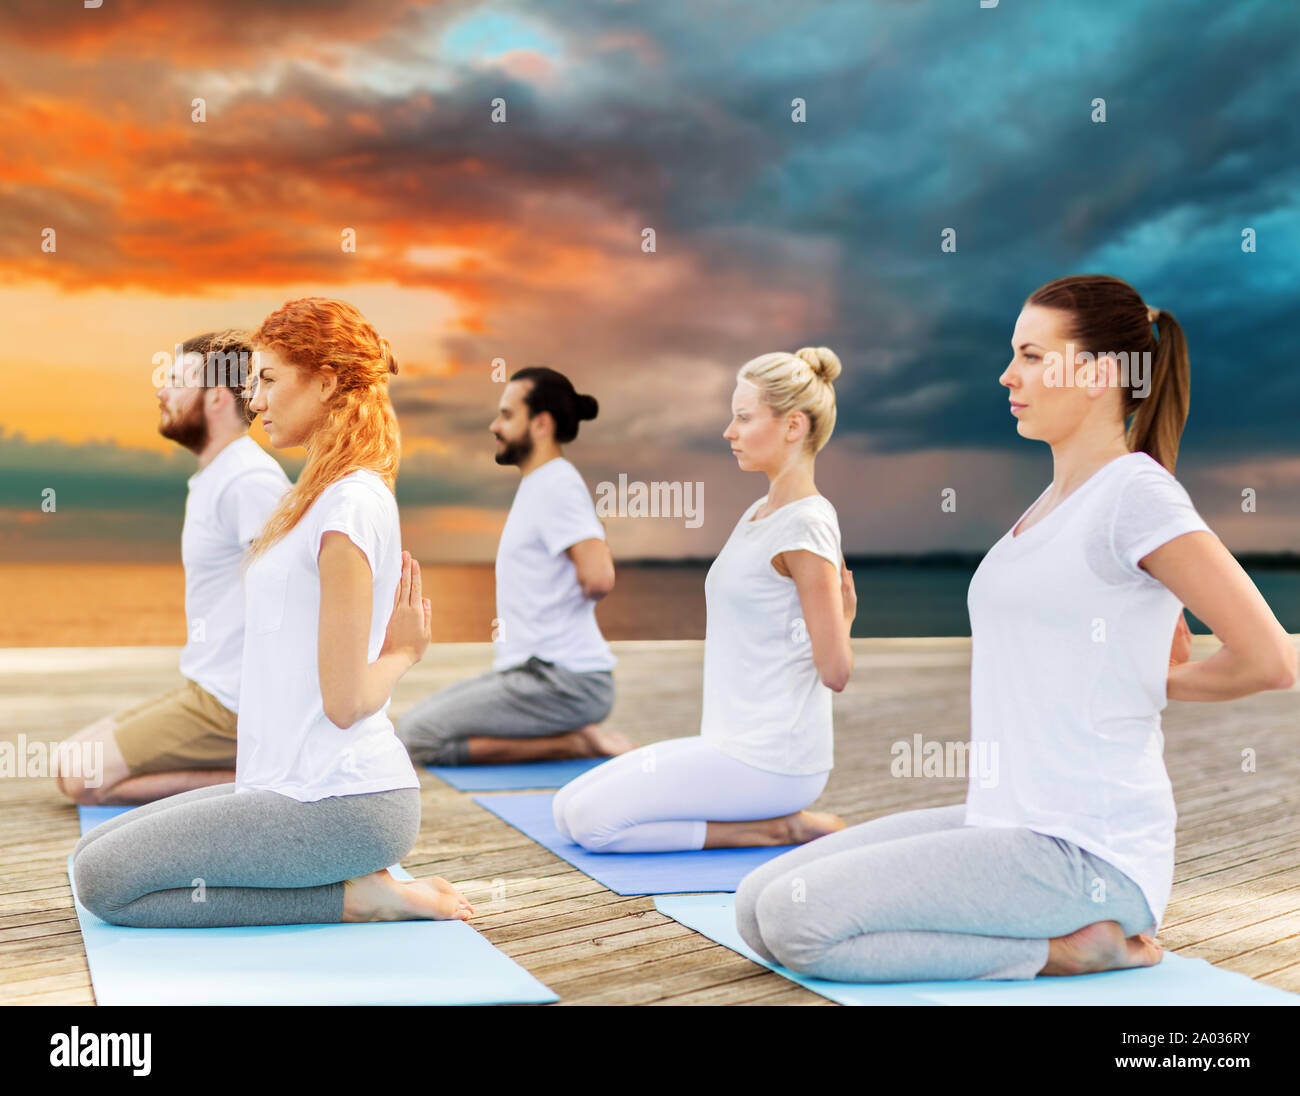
{"points": [[569, 517], [356, 510], [1153, 509], [248, 502], [810, 530]]}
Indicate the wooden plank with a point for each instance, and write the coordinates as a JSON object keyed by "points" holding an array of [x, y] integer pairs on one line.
{"points": [[1236, 893]]}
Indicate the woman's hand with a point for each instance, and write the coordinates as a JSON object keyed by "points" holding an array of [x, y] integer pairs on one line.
{"points": [[1182, 648], [848, 592], [409, 625]]}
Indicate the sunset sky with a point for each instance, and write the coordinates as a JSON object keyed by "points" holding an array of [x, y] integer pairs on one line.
{"points": [[522, 240]]}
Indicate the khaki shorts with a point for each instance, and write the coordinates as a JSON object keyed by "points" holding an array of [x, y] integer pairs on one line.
{"points": [[185, 729]]}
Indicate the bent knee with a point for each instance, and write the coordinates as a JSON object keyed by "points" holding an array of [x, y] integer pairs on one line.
{"points": [[95, 883], [589, 827], [787, 928], [747, 896], [425, 743], [558, 812]]}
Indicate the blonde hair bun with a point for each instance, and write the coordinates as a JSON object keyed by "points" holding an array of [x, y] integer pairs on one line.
{"points": [[786, 387], [824, 361]]}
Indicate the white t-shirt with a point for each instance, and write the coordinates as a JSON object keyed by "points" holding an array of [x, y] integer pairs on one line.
{"points": [[541, 610], [764, 702], [1070, 644], [228, 503], [286, 743]]}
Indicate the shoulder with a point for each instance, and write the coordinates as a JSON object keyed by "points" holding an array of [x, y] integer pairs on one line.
{"points": [[559, 483], [362, 488], [245, 456], [563, 473], [815, 511], [266, 467], [1143, 479], [249, 469]]}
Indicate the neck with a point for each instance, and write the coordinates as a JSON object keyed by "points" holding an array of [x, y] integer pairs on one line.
{"points": [[793, 480], [542, 453], [217, 441], [1076, 458]]}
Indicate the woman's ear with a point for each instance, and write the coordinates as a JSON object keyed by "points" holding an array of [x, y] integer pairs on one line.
{"points": [[1103, 377], [329, 381]]}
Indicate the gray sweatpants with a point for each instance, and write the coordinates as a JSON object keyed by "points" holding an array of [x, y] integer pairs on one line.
{"points": [[530, 700], [209, 858], [920, 896]]}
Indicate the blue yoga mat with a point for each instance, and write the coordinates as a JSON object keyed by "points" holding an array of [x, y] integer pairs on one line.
{"points": [[513, 778], [1175, 980], [392, 963], [631, 872], [90, 817]]}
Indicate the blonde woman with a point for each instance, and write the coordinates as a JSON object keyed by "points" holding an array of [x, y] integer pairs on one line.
{"points": [[780, 602], [324, 797], [1063, 864]]}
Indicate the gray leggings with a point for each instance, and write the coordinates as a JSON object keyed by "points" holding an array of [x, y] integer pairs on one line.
{"points": [[531, 700], [209, 858], [920, 896]]}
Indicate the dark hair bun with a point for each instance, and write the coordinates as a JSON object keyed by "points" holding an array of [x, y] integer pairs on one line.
{"points": [[587, 408]]}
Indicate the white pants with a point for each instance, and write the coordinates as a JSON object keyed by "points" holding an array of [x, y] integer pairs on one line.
{"points": [[661, 798]]}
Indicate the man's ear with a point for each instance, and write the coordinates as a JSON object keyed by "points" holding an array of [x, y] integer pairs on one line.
{"points": [[539, 423]]}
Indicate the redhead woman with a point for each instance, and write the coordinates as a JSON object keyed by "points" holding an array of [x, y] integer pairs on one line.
{"points": [[325, 797], [1062, 864], [780, 603]]}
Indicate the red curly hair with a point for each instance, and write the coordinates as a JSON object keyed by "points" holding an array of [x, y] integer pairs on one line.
{"points": [[319, 335]]}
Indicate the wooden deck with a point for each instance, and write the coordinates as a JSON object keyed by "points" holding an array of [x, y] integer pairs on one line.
{"points": [[1236, 897]]}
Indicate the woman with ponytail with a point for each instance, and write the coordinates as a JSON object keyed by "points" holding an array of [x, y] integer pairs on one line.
{"points": [[780, 605], [325, 797], [1061, 862]]}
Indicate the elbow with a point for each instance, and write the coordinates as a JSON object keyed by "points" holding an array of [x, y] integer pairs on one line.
{"points": [[595, 589], [836, 677], [1284, 675], [341, 714]]}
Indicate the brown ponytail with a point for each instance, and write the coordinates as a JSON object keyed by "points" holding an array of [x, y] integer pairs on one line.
{"points": [[1158, 419], [1107, 315]]}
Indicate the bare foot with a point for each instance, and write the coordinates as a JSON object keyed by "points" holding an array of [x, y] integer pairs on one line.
{"points": [[809, 825], [791, 829], [598, 741], [380, 897], [1100, 946]]}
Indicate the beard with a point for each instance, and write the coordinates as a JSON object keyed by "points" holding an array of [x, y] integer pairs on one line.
{"points": [[189, 428], [516, 451]]}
